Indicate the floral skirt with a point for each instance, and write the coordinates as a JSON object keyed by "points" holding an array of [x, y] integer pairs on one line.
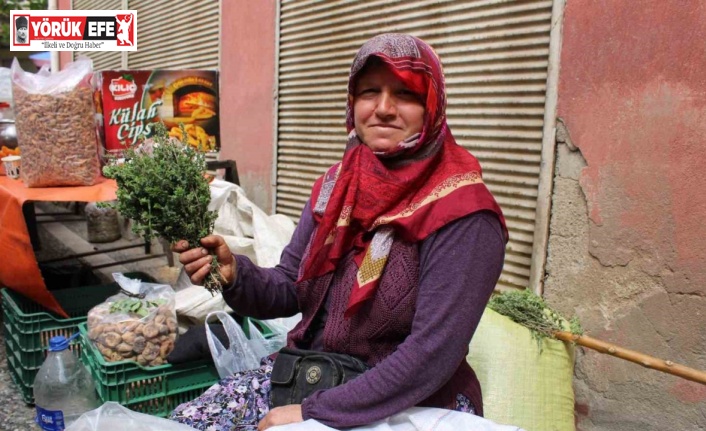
{"points": [[239, 402], [236, 403]]}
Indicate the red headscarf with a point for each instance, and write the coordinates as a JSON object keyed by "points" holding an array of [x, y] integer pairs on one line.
{"points": [[429, 180]]}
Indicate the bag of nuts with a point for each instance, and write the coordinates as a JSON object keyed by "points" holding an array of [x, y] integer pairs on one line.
{"points": [[55, 129], [138, 324]]}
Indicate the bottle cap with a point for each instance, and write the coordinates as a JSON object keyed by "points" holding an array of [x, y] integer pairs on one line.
{"points": [[59, 342]]}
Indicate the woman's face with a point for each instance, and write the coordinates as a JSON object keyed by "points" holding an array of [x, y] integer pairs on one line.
{"points": [[385, 112]]}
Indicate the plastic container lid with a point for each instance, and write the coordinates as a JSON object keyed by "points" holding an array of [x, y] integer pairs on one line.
{"points": [[59, 343]]}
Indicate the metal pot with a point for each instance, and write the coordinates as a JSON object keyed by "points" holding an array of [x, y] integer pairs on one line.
{"points": [[8, 133]]}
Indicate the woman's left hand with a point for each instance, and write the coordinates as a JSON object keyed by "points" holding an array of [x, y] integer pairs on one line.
{"points": [[281, 416]]}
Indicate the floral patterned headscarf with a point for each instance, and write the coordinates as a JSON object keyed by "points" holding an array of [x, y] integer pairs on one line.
{"points": [[368, 199]]}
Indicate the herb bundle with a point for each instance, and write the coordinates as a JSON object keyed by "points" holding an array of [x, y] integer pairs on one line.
{"points": [[530, 311], [162, 188]]}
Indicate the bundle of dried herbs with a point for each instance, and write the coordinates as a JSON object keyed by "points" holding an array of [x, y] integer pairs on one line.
{"points": [[530, 311], [162, 188]]}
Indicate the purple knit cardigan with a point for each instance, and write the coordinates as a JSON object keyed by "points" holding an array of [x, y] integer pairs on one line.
{"points": [[415, 331]]}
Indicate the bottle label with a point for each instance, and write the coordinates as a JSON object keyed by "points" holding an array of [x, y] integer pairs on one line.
{"points": [[50, 420]]}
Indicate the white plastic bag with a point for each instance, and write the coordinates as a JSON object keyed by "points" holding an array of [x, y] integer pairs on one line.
{"points": [[279, 329], [243, 353], [193, 303], [113, 416], [248, 231], [413, 419]]}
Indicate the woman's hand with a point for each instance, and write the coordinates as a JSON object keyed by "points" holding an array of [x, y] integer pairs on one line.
{"points": [[197, 261], [281, 416]]}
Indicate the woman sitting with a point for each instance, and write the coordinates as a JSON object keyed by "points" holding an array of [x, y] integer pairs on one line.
{"points": [[393, 261]]}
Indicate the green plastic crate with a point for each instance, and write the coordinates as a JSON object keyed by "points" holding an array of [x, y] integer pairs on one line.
{"points": [[25, 390], [151, 390], [33, 358], [33, 325], [25, 373], [28, 327]]}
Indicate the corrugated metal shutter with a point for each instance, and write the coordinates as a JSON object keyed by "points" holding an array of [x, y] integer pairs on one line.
{"points": [[495, 56], [186, 36], [101, 60], [176, 35]]}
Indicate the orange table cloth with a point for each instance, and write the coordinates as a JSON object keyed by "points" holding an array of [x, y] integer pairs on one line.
{"points": [[19, 270]]}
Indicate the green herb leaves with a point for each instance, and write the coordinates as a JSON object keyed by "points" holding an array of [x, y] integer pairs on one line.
{"points": [[138, 307], [162, 188], [164, 191], [530, 311]]}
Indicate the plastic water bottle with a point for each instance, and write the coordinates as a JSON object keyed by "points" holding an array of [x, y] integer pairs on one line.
{"points": [[63, 389]]}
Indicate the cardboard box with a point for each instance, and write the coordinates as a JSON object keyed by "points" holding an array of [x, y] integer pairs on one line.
{"points": [[130, 102]]}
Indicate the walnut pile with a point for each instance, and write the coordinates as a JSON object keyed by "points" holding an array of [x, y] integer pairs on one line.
{"points": [[57, 137], [147, 341]]}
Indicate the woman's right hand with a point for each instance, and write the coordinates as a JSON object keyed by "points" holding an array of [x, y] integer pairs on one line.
{"points": [[197, 261]]}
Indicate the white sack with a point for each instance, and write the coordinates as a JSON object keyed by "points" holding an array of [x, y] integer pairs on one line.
{"points": [[248, 231], [113, 416], [413, 419]]}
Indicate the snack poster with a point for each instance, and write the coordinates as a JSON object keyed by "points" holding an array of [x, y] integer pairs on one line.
{"points": [[130, 102]]}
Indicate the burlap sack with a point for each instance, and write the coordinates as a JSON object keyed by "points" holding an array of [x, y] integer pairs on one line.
{"points": [[521, 386]]}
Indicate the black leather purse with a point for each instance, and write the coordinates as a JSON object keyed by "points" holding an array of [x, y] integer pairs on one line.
{"points": [[296, 374]]}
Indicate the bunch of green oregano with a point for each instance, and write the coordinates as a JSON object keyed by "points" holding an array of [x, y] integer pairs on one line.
{"points": [[532, 312], [163, 190]]}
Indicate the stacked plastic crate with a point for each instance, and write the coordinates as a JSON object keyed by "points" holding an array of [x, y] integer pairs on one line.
{"points": [[28, 327], [152, 390]]}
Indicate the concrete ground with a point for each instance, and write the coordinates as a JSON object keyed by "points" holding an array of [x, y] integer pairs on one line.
{"points": [[61, 236]]}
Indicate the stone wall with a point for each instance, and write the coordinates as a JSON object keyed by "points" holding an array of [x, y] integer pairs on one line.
{"points": [[627, 247]]}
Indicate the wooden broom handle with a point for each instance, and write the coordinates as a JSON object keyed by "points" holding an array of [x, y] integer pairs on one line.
{"points": [[633, 356]]}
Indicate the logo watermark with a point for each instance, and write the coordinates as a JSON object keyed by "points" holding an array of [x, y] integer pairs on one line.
{"points": [[73, 30]]}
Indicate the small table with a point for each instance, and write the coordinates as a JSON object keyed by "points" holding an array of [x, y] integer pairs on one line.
{"points": [[19, 269]]}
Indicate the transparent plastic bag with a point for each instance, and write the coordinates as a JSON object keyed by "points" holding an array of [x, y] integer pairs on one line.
{"points": [[138, 324], [113, 416], [279, 329], [243, 353], [55, 129], [5, 85]]}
